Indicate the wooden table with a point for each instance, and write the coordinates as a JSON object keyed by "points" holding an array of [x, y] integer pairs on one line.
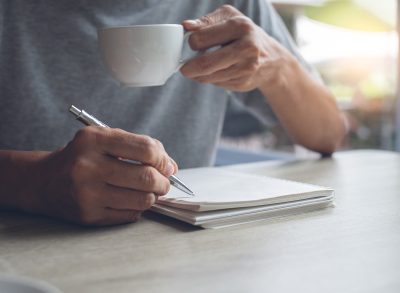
{"points": [[354, 247]]}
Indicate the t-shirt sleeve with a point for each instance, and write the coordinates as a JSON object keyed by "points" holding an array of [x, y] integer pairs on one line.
{"points": [[264, 15]]}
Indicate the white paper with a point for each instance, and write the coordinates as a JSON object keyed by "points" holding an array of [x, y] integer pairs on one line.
{"points": [[217, 189]]}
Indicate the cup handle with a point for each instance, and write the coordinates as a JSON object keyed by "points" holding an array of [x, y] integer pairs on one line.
{"points": [[183, 61]]}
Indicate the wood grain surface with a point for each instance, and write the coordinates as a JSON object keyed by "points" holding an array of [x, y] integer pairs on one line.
{"points": [[354, 247]]}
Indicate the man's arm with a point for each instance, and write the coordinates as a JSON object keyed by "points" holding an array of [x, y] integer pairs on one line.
{"points": [[19, 178], [250, 59], [86, 182], [306, 109]]}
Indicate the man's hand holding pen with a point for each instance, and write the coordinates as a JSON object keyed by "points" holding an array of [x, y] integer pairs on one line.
{"points": [[85, 182]]}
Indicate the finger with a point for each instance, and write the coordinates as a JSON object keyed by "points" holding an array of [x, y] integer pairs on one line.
{"points": [[220, 33], [222, 13], [237, 72], [142, 148], [172, 160], [211, 62], [238, 84], [126, 199], [139, 177], [233, 72], [175, 167]]}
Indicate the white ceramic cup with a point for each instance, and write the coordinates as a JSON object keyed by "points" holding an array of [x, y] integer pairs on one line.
{"points": [[142, 55]]}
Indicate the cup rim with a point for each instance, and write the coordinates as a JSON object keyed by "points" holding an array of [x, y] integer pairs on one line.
{"points": [[139, 26]]}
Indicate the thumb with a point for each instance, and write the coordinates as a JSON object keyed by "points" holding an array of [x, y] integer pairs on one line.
{"points": [[204, 21], [192, 24], [219, 15]]}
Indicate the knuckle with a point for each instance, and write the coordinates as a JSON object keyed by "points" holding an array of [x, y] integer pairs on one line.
{"points": [[149, 177], [159, 144], [251, 49], [163, 164], [228, 9], [206, 19], [148, 142], [252, 66], [243, 23], [149, 147]]}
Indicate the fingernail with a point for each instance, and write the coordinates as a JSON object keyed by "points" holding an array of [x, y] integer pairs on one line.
{"points": [[170, 169]]}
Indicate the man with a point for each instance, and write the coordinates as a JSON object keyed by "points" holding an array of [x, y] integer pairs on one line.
{"points": [[49, 60]]}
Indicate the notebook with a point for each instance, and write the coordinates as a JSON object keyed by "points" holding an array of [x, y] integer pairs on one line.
{"points": [[225, 197]]}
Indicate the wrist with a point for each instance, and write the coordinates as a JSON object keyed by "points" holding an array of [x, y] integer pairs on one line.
{"points": [[22, 176], [281, 82]]}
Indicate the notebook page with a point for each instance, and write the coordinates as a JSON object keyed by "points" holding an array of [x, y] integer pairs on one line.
{"points": [[216, 188]]}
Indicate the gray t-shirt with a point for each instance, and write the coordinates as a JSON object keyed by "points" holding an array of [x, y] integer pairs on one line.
{"points": [[49, 59]]}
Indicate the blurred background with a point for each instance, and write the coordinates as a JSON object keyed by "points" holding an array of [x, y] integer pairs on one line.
{"points": [[353, 45]]}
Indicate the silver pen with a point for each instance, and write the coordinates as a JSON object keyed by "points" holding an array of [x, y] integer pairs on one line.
{"points": [[88, 119]]}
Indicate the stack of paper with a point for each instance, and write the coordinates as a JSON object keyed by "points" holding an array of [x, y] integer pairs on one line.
{"points": [[224, 198]]}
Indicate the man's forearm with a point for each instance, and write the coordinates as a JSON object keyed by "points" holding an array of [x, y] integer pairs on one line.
{"points": [[250, 59], [305, 108], [19, 179]]}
